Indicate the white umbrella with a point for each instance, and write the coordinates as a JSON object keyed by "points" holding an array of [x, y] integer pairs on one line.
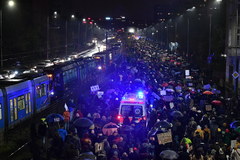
{"points": [[169, 154]]}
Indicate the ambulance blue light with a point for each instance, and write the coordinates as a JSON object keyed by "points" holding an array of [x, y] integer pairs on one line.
{"points": [[140, 95]]}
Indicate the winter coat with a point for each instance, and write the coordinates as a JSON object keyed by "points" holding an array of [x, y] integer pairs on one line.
{"points": [[235, 155], [200, 131]]}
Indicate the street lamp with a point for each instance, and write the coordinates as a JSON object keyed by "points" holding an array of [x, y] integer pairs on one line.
{"points": [[188, 25], [11, 3]]}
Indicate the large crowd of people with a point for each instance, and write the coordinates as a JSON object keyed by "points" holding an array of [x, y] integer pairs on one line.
{"points": [[199, 117]]}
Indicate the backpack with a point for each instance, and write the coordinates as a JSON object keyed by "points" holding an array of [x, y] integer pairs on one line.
{"points": [[206, 135], [220, 151]]}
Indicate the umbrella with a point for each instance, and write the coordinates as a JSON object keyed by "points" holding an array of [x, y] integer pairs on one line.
{"points": [[208, 92], [215, 91], [164, 84], [180, 98], [83, 123], [168, 98], [177, 114], [171, 82], [170, 86], [169, 154], [170, 90], [54, 117], [110, 128], [162, 124], [235, 124], [216, 102]]}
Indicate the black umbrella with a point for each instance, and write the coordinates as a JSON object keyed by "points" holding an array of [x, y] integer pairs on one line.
{"points": [[169, 154], [162, 124], [54, 117], [168, 98], [99, 123], [83, 123], [176, 114]]}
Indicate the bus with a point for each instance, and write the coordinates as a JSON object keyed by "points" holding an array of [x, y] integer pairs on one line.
{"points": [[133, 106]]}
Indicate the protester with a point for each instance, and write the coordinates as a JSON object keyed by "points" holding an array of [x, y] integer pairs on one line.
{"points": [[198, 132]]}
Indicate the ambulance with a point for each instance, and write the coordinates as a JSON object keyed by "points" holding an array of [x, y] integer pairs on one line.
{"points": [[133, 106]]}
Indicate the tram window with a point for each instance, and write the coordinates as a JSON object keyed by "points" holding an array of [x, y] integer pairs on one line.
{"points": [[15, 109], [26, 102], [41, 90], [29, 102], [21, 102], [11, 110], [0, 111]]}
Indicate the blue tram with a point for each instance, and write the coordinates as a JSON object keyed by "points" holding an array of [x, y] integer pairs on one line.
{"points": [[71, 75], [21, 97], [27, 94]]}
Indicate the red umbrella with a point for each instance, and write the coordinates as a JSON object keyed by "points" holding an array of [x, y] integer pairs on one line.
{"points": [[208, 92], [216, 102], [164, 84]]}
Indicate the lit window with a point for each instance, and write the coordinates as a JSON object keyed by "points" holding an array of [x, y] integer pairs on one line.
{"points": [[11, 110], [15, 109], [29, 103], [41, 90], [21, 102], [0, 111], [26, 101]]}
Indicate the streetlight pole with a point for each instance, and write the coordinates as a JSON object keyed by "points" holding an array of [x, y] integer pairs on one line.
{"points": [[167, 35], [176, 25], [188, 37], [1, 40], [11, 4], [78, 40], [210, 34], [47, 37], [66, 39]]}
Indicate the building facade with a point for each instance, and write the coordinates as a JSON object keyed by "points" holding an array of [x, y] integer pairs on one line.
{"points": [[233, 47]]}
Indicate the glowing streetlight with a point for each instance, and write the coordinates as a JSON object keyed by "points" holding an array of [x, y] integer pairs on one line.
{"points": [[107, 18], [219, 0], [72, 16], [191, 9], [11, 3], [131, 30]]}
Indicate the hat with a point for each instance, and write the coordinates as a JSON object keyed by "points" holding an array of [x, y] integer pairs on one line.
{"points": [[213, 152], [199, 127]]}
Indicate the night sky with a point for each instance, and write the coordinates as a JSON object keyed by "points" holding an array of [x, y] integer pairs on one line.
{"points": [[133, 9], [25, 25]]}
